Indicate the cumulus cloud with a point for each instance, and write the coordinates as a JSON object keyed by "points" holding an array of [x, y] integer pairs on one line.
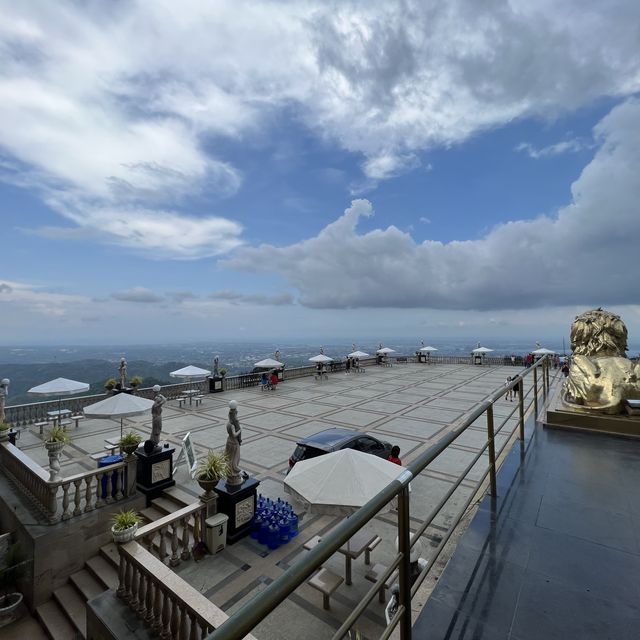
{"points": [[97, 107], [21, 297], [585, 254], [137, 294]]}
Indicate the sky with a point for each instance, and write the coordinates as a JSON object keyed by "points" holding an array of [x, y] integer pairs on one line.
{"points": [[177, 171]]}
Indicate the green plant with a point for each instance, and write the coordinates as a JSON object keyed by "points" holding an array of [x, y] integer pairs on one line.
{"points": [[223, 373], [213, 466], [110, 383], [130, 438], [135, 381], [4, 426], [125, 520], [57, 434], [354, 634]]}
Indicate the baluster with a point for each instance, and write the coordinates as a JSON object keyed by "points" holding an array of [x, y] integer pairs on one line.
{"points": [[122, 572], [77, 498], [174, 560], [65, 502], [51, 503], [158, 609], [109, 476], [118, 474], [183, 628], [148, 542], [127, 581], [193, 631], [99, 501], [175, 619], [149, 603], [142, 594], [185, 538], [135, 585], [165, 632], [88, 506], [162, 548]]}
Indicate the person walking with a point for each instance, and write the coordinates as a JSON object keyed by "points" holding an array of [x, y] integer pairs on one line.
{"points": [[509, 395], [394, 456]]}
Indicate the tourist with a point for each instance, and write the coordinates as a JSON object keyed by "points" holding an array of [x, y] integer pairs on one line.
{"points": [[347, 365], [565, 369], [273, 380], [394, 456], [509, 395]]}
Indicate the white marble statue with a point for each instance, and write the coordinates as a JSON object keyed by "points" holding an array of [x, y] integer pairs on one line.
{"points": [[232, 447]]}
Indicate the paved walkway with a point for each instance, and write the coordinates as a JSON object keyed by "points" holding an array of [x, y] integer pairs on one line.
{"points": [[411, 405], [557, 556]]}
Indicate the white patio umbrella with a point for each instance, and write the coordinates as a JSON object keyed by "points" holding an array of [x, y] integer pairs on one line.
{"points": [[543, 352], [481, 350], [385, 350], [190, 373], [340, 482], [358, 354], [321, 358], [428, 349], [59, 387], [120, 406], [269, 363]]}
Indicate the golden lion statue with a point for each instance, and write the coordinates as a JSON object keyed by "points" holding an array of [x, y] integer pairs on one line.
{"points": [[601, 377]]}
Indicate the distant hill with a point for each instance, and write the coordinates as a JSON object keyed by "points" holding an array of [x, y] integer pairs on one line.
{"points": [[95, 372]]}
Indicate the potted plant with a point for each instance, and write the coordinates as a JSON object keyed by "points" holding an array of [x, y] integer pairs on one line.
{"points": [[129, 442], [4, 431], [222, 372], [210, 470], [56, 438], [135, 382], [110, 384], [10, 573], [125, 525]]}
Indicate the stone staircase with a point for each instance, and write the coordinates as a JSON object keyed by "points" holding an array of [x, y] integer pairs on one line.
{"points": [[64, 616]]}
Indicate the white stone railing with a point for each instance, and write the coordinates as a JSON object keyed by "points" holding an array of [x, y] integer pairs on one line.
{"points": [[19, 415], [66, 498], [174, 535], [167, 604]]}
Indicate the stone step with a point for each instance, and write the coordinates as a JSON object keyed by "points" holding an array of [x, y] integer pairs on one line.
{"points": [[87, 584], [104, 571], [151, 514], [180, 496], [55, 622], [74, 606], [166, 505], [110, 553]]}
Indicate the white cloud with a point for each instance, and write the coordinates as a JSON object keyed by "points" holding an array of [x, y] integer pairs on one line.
{"points": [[559, 148], [20, 298], [586, 254], [123, 106], [261, 299]]}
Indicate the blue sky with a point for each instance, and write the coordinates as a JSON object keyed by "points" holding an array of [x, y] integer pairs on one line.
{"points": [[195, 170]]}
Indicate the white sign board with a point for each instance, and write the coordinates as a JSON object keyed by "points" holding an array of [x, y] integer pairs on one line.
{"points": [[190, 454]]}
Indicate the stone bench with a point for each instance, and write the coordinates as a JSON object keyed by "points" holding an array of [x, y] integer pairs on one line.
{"points": [[370, 547], [326, 582], [374, 574], [41, 426], [77, 419]]}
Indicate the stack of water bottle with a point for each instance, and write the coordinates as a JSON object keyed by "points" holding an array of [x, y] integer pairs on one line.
{"points": [[275, 523]]}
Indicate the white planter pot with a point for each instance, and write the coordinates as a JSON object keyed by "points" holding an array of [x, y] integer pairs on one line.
{"points": [[8, 605], [125, 535]]}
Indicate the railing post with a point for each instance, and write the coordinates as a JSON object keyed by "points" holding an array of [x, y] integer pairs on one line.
{"points": [[492, 451], [535, 390], [404, 547], [521, 407]]}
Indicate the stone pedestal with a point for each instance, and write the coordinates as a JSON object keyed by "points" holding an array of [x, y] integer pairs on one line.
{"points": [[154, 472], [239, 503], [216, 384]]}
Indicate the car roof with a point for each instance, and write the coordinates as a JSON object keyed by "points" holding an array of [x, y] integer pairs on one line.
{"points": [[328, 438]]}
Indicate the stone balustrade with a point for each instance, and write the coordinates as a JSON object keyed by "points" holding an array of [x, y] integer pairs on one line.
{"points": [[69, 497], [168, 605], [174, 535]]}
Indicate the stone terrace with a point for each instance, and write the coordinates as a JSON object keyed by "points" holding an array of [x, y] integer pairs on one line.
{"points": [[411, 405]]}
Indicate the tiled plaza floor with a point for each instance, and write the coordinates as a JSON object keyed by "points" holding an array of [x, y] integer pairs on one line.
{"points": [[411, 405]]}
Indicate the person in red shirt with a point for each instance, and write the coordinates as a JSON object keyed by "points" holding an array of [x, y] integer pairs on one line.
{"points": [[394, 456], [273, 380]]}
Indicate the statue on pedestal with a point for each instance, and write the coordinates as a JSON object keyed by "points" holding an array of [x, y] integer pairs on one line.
{"points": [[232, 447], [122, 371], [216, 371], [4, 390], [156, 415], [601, 377]]}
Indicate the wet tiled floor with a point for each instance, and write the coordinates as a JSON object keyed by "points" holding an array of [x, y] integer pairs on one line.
{"points": [[556, 555]]}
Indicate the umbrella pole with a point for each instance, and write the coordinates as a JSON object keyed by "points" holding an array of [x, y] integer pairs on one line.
{"points": [[121, 427]]}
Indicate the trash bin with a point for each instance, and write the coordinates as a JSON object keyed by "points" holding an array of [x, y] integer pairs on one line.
{"points": [[13, 435], [217, 532], [105, 462]]}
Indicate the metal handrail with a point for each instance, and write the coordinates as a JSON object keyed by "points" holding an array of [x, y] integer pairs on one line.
{"points": [[251, 613]]}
